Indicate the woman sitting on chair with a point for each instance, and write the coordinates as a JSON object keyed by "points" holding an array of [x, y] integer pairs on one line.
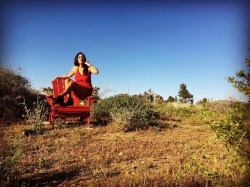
{"points": [[82, 85]]}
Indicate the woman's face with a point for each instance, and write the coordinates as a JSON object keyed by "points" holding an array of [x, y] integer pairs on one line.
{"points": [[80, 59]]}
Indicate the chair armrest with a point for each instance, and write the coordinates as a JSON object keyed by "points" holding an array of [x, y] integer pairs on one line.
{"points": [[50, 100]]}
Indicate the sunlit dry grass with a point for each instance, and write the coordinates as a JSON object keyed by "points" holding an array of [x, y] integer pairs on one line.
{"points": [[178, 155]]}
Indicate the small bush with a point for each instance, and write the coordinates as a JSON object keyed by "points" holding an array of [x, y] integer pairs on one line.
{"points": [[125, 111]]}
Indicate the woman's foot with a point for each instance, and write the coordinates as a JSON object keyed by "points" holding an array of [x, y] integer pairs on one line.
{"points": [[70, 101], [59, 100]]}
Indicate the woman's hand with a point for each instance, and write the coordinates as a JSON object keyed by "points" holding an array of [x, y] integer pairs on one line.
{"points": [[87, 63], [91, 68]]}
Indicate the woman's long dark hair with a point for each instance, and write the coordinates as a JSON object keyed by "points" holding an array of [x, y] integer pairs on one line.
{"points": [[76, 63]]}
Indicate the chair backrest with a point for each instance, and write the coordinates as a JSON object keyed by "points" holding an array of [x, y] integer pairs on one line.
{"points": [[58, 86]]}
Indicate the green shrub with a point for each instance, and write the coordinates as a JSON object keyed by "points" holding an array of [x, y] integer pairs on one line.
{"points": [[228, 125], [14, 86], [166, 111], [176, 111], [125, 111], [100, 111], [185, 112]]}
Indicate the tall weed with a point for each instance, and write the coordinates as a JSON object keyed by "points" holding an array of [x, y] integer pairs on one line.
{"points": [[36, 115]]}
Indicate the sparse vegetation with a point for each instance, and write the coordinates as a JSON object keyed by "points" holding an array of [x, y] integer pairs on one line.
{"points": [[134, 142], [183, 152]]}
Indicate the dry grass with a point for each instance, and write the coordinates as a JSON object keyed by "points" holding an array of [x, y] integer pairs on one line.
{"points": [[183, 155]]}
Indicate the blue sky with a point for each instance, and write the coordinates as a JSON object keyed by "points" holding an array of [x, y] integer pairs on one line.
{"points": [[136, 45]]}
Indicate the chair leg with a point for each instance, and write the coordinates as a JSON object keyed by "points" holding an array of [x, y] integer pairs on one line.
{"points": [[51, 120], [81, 120], [88, 120]]}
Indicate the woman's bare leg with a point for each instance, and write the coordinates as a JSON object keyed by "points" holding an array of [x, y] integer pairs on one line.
{"points": [[78, 89], [69, 84]]}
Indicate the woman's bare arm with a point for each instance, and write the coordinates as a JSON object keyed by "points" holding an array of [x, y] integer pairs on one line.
{"points": [[72, 72], [92, 68]]}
